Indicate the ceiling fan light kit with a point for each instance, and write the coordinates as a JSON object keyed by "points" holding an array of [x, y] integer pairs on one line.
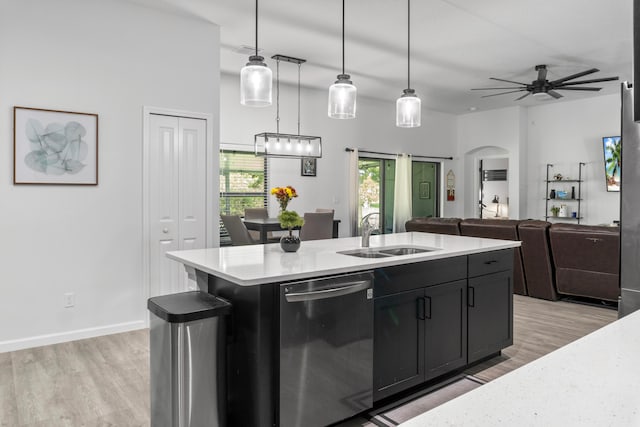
{"points": [[342, 94], [256, 79], [408, 106], [542, 88]]}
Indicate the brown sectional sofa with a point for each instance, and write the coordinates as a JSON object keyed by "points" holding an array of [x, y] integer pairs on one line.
{"points": [[554, 259]]}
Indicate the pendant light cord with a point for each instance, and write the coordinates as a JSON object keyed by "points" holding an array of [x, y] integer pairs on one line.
{"points": [[408, 44], [256, 27], [298, 99], [342, 36], [278, 97]]}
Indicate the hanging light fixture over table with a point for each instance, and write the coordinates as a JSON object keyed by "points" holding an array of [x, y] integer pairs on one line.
{"points": [[283, 144], [342, 94], [408, 106], [255, 79]]}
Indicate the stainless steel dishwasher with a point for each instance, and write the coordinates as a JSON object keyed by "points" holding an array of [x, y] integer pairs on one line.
{"points": [[326, 349]]}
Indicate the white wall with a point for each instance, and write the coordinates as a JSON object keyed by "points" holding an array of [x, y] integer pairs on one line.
{"points": [[564, 134], [374, 129], [109, 58], [487, 134]]}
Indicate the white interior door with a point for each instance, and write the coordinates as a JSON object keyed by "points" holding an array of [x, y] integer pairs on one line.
{"points": [[177, 197]]}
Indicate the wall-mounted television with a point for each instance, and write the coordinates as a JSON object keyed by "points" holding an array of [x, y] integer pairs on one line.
{"points": [[612, 161]]}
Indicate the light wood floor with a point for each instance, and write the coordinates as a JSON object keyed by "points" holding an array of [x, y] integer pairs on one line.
{"points": [[105, 381]]}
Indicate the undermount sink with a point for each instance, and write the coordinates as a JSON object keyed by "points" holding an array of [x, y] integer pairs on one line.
{"points": [[384, 252], [405, 251]]}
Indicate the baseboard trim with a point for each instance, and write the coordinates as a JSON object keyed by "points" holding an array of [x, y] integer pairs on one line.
{"points": [[79, 334]]}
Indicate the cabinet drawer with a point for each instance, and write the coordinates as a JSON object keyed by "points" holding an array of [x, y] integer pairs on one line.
{"points": [[401, 278], [490, 262]]}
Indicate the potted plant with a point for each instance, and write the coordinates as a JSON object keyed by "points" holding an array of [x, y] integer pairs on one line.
{"points": [[289, 220], [554, 210]]}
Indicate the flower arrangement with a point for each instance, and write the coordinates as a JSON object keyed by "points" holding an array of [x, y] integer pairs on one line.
{"points": [[284, 195]]}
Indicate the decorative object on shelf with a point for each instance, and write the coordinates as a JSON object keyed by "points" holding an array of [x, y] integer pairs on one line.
{"points": [[54, 147], [256, 79], [284, 195], [289, 220], [557, 177], [573, 192], [552, 194], [342, 94], [561, 194], [308, 166], [278, 144], [563, 212], [408, 106], [554, 210]]}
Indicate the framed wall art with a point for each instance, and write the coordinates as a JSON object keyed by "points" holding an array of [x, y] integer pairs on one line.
{"points": [[308, 166], [54, 147]]}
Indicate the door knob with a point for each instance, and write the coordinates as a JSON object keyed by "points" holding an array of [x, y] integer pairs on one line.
{"points": [[165, 230]]}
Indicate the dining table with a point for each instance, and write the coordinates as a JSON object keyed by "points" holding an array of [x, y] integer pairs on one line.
{"points": [[265, 225]]}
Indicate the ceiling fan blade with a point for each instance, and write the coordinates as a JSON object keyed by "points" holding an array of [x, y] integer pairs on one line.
{"points": [[508, 81], [523, 96], [574, 76], [492, 88], [555, 94], [604, 79], [591, 89], [502, 93]]}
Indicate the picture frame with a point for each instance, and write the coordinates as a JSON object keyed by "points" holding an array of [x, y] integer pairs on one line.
{"points": [[308, 166], [424, 190], [53, 147]]}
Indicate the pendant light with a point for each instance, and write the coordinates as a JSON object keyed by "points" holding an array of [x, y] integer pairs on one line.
{"points": [[342, 94], [255, 79], [287, 145], [408, 105]]}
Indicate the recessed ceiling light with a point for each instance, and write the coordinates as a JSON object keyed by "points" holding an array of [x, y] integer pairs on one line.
{"points": [[472, 108]]}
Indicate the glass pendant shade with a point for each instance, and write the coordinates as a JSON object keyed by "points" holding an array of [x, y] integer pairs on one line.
{"points": [[342, 98], [408, 110], [255, 83]]}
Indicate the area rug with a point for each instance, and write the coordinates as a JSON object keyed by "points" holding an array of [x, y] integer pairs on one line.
{"points": [[412, 406]]}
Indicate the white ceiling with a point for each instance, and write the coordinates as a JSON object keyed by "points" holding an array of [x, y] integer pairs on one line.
{"points": [[456, 44]]}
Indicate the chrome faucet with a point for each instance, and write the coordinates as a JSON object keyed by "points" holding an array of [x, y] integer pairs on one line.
{"points": [[367, 229]]}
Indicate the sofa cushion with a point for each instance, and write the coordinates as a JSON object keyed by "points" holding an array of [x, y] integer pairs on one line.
{"points": [[434, 225], [536, 259], [505, 229], [586, 260]]}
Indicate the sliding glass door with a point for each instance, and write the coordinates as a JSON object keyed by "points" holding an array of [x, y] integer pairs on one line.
{"points": [[377, 191]]}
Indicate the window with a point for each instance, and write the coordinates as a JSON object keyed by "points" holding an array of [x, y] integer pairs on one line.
{"points": [[243, 184]]}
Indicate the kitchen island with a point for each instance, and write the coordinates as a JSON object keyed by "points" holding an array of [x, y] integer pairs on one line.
{"points": [[321, 334]]}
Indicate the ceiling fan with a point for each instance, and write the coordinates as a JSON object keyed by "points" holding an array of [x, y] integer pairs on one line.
{"points": [[542, 86]]}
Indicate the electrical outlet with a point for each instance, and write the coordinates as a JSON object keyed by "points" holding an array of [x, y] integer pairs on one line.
{"points": [[69, 299]]}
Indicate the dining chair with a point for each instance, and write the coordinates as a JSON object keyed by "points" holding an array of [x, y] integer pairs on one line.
{"points": [[259, 213], [317, 225], [237, 231], [325, 210]]}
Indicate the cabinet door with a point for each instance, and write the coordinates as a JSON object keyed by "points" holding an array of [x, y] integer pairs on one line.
{"points": [[445, 328], [398, 349], [490, 314]]}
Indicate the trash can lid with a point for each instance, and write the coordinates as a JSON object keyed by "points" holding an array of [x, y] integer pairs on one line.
{"points": [[188, 306]]}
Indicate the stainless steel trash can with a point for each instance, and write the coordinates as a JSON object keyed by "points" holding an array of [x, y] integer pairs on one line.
{"points": [[187, 348]]}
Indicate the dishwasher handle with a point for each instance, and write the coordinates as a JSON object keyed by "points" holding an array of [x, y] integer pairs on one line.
{"points": [[348, 288]]}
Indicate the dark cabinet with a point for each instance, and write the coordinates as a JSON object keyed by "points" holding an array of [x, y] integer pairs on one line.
{"points": [[419, 335], [445, 328], [490, 314], [398, 344]]}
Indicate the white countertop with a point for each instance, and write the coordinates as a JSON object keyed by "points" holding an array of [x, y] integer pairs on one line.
{"points": [[592, 382], [260, 264]]}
